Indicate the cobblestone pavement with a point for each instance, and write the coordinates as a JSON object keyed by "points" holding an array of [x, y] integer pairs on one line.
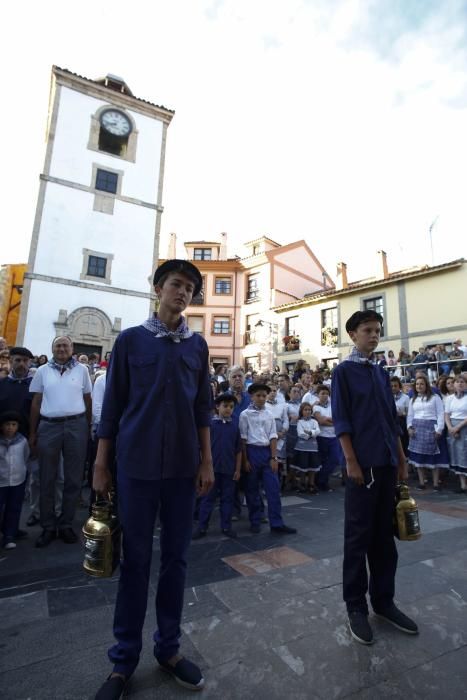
{"points": [[263, 615]]}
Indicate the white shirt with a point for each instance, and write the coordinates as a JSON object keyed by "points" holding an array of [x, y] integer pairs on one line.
{"points": [[421, 409], [310, 397], [402, 404], [98, 391], [257, 427], [62, 394], [280, 398], [327, 431], [279, 411], [456, 408]]}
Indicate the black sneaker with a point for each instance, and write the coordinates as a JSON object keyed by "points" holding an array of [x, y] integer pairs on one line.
{"points": [[45, 538], [186, 673], [360, 627], [284, 530], [32, 520], [255, 529], [198, 534], [21, 535], [112, 689], [68, 535], [229, 533], [398, 619]]}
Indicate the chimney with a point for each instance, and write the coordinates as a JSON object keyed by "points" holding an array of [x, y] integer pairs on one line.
{"points": [[381, 266], [223, 248], [172, 249], [341, 281]]}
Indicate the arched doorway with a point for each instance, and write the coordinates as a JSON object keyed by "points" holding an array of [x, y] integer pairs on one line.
{"points": [[90, 329]]}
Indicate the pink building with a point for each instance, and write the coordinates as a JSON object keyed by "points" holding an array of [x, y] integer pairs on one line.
{"points": [[234, 311]]}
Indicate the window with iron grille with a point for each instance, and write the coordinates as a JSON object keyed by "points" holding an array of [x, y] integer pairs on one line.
{"points": [[223, 285], [221, 325], [375, 304], [106, 181], [202, 254], [96, 266], [252, 288]]}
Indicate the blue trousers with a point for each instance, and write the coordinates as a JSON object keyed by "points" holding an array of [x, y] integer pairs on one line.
{"points": [[369, 535], [224, 485], [259, 458], [139, 502], [11, 502], [331, 458]]}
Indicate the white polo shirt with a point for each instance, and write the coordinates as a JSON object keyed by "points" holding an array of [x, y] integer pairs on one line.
{"points": [[62, 394]]}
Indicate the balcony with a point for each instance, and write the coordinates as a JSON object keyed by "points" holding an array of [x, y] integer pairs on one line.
{"points": [[252, 295], [291, 343], [329, 336], [250, 337]]}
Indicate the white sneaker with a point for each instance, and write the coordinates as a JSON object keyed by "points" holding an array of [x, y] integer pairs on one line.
{"points": [[9, 545]]}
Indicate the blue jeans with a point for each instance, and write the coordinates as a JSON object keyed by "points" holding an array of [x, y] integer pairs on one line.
{"points": [[259, 458], [139, 502]]}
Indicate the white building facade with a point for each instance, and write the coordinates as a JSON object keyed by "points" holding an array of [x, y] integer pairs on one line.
{"points": [[96, 231]]}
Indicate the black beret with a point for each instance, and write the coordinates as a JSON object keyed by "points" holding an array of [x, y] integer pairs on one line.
{"points": [[225, 397], [8, 416], [258, 386], [362, 317], [183, 266], [21, 351]]}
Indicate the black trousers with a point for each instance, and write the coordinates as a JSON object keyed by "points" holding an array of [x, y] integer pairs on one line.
{"points": [[369, 536]]}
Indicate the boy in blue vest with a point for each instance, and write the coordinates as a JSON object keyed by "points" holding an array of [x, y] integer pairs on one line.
{"points": [[227, 460], [158, 402], [259, 446], [366, 423]]}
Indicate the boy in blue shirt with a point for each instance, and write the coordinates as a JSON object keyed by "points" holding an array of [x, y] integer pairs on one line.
{"points": [[157, 405], [227, 460], [259, 447], [365, 421]]}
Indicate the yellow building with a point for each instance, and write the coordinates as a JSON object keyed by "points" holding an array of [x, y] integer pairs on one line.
{"points": [[11, 289], [421, 306]]}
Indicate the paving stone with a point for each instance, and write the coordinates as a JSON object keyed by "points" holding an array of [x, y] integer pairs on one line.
{"points": [[24, 608]]}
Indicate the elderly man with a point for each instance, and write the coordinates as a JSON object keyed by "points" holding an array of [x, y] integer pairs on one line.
{"points": [[59, 424]]}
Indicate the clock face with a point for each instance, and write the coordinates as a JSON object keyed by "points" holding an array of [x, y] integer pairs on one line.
{"points": [[115, 122]]}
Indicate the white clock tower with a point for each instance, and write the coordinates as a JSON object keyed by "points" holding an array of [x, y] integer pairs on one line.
{"points": [[96, 231]]}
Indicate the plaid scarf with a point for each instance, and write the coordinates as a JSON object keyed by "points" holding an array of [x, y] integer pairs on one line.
{"points": [[217, 417], [14, 378], [160, 329], [61, 368], [360, 357]]}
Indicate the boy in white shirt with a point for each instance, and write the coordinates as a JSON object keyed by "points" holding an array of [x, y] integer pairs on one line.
{"points": [[259, 446]]}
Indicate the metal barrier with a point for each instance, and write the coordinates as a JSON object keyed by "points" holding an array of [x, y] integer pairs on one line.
{"points": [[408, 370]]}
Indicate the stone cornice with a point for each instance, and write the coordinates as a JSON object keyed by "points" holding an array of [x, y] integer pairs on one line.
{"points": [[88, 285], [93, 89]]}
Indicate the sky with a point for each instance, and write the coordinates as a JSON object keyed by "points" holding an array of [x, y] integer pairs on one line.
{"points": [[341, 122]]}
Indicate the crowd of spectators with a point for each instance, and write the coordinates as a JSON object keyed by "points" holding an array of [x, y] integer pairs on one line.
{"points": [[56, 403]]}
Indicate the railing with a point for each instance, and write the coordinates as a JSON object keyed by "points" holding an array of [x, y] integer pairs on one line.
{"points": [[252, 295], [408, 370]]}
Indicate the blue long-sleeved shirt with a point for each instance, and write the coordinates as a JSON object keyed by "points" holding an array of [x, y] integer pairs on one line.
{"points": [[157, 395], [363, 406], [225, 444]]}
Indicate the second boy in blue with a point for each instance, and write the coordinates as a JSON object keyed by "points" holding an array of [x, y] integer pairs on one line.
{"points": [[366, 424], [227, 460], [259, 445]]}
